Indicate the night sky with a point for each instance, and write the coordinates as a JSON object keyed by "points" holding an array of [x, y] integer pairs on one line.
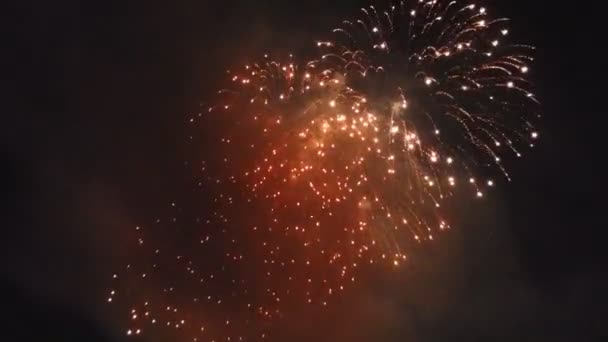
{"points": [[93, 138]]}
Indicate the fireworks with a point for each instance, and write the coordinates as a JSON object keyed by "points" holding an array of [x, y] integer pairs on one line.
{"points": [[319, 168], [452, 68]]}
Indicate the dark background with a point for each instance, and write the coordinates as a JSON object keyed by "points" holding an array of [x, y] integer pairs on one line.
{"points": [[92, 135]]}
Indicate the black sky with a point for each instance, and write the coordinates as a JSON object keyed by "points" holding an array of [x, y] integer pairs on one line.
{"points": [[97, 95]]}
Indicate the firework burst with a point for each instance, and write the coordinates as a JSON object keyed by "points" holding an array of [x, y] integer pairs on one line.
{"points": [[322, 167], [445, 72]]}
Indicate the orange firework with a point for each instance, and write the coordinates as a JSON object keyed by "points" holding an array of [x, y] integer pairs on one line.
{"points": [[319, 168]]}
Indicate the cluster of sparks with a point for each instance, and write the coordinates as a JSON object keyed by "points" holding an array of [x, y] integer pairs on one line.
{"points": [[316, 169]]}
